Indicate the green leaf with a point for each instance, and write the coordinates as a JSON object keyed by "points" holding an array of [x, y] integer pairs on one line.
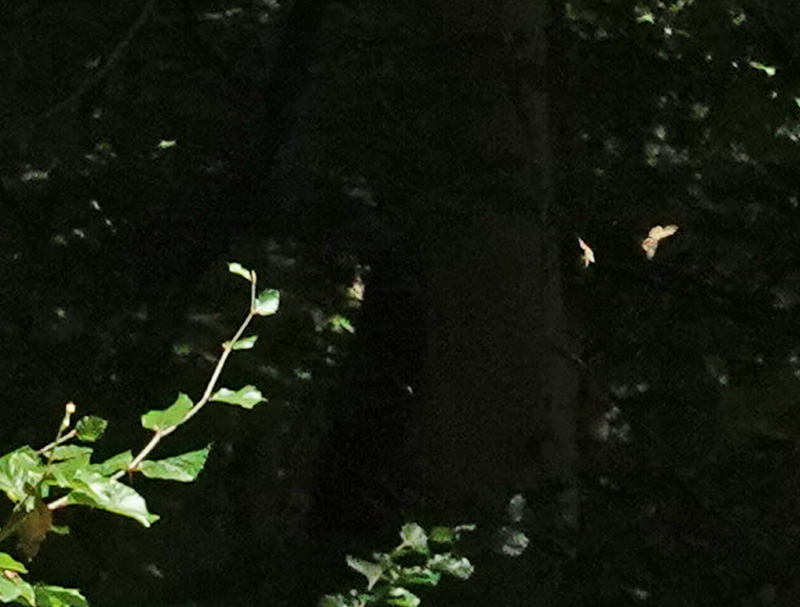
{"points": [[246, 343], [248, 397], [92, 489], [402, 597], [8, 563], [237, 268], [448, 535], [371, 571], [267, 302], [62, 473], [118, 462], [418, 576], [510, 541], [414, 537], [767, 69], [341, 600], [69, 451], [451, 565], [442, 535], [90, 428], [56, 596], [17, 590], [183, 468], [166, 418], [341, 324], [19, 470]]}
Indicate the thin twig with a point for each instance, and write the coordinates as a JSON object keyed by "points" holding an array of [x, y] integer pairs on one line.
{"points": [[63, 439], [159, 434], [95, 78]]}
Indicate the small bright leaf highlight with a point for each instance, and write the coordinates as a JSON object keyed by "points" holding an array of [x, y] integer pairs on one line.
{"points": [[237, 268], [245, 343], [267, 302], [173, 416], [248, 397], [767, 69], [371, 571]]}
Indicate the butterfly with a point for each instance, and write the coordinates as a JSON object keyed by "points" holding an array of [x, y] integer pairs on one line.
{"points": [[656, 235], [587, 257]]}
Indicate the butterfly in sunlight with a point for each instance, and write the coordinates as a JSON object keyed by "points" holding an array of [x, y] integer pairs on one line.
{"points": [[656, 235], [587, 255]]}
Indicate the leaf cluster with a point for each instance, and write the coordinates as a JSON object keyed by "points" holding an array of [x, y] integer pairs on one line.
{"points": [[40, 481], [419, 561]]}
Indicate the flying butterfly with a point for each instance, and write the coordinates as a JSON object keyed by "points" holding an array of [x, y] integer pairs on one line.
{"points": [[587, 255], [656, 235]]}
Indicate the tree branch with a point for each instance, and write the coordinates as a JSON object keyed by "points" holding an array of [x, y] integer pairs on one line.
{"points": [[95, 78]]}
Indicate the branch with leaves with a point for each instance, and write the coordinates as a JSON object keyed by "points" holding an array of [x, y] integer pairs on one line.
{"points": [[420, 560], [62, 474]]}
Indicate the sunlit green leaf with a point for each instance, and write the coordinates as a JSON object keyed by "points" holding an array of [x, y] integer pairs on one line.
{"points": [[165, 144], [248, 397], [15, 589], [183, 468], [90, 428], [56, 596], [63, 472], [63, 452], [451, 565], [342, 600], [448, 535], [95, 490], [267, 302], [402, 597], [341, 324], [19, 470], [246, 343], [8, 563], [172, 416], [370, 570], [646, 18], [442, 535], [237, 268], [767, 69], [113, 464], [510, 541], [418, 576], [414, 537]]}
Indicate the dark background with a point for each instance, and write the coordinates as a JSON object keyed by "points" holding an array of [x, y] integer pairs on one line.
{"points": [[323, 143]]}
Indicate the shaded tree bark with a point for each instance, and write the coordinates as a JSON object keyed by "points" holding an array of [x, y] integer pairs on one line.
{"points": [[446, 109]]}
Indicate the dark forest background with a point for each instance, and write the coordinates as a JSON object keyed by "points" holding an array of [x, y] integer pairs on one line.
{"points": [[445, 156]]}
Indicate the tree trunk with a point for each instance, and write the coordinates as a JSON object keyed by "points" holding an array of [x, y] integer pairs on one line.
{"points": [[445, 107]]}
